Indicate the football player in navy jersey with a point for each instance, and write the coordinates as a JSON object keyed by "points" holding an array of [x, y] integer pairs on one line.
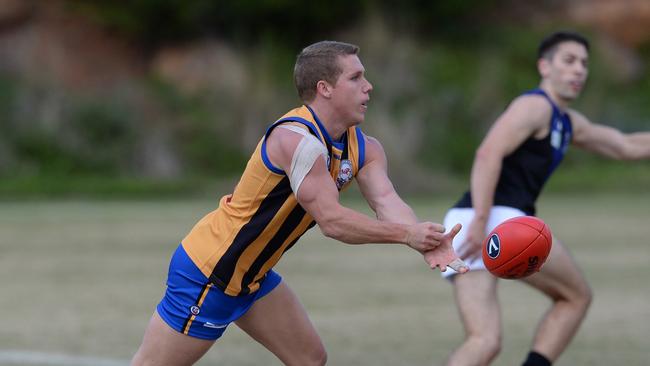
{"points": [[515, 159]]}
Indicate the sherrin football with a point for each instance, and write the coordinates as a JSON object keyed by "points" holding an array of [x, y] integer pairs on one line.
{"points": [[518, 247]]}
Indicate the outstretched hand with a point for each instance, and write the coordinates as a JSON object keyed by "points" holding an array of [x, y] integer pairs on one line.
{"points": [[444, 255], [474, 235]]}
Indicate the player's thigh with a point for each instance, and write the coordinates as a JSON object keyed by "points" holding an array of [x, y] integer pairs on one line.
{"points": [[280, 323], [478, 303], [560, 277], [163, 346]]}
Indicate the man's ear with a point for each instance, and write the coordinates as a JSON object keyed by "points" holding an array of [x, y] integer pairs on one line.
{"points": [[543, 67], [324, 88]]}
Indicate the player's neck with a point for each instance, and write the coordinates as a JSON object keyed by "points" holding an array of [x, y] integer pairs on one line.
{"points": [[330, 120], [562, 103]]}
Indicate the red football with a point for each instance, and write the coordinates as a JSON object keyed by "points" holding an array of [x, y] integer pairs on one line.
{"points": [[517, 247]]}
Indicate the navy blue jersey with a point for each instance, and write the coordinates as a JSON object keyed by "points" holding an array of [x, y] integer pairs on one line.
{"points": [[526, 169]]}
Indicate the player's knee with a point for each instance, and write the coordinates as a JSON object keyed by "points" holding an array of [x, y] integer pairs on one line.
{"points": [[141, 359], [492, 347], [138, 359], [578, 298], [321, 358], [317, 356], [488, 343], [312, 354], [582, 296], [586, 296]]}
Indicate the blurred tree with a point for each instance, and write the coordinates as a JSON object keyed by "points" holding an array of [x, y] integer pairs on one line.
{"points": [[162, 21], [451, 20], [217, 72], [295, 22]]}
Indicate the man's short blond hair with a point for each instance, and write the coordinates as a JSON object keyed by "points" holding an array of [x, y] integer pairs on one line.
{"points": [[317, 62]]}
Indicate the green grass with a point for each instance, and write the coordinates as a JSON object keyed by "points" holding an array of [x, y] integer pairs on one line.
{"points": [[83, 277], [95, 187]]}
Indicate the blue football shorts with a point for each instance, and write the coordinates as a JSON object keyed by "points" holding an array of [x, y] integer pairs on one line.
{"points": [[192, 305]]}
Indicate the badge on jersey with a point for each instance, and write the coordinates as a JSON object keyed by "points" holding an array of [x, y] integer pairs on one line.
{"points": [[345, 173], [556, 135]]}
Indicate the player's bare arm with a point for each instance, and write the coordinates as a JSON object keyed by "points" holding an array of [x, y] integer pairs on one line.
{"points": [[377, 188], [608, 141], [526, 116], [318, 195], [380, 193]]}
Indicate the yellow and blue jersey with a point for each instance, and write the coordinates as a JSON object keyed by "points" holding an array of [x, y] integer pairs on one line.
{"points": [[239, 242]]}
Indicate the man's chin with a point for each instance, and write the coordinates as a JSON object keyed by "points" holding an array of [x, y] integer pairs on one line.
{"points": [[356, 120], [570, 97]]}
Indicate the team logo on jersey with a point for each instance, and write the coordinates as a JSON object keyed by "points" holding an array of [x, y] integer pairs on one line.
{"points": [[195, 310], [493, 246], [345, 173], [567, 137], [556, 134]]}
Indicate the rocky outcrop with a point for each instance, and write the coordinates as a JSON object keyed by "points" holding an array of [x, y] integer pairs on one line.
{"points": [[626, 21]]}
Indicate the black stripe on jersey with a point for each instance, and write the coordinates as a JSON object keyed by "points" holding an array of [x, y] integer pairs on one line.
{"points": [[269, 207], [196, 302], [311, 225], [288, 226]]}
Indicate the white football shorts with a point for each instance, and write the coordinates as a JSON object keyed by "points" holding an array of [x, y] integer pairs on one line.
{"points": [[498, 214]]}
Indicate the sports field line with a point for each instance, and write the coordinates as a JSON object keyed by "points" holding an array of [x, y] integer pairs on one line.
{"points": [[18, 357]]}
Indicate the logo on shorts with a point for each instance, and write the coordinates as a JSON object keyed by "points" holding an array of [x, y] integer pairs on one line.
{"points": [[195, 310], [493, 246], [214, 326], [345, 174]]}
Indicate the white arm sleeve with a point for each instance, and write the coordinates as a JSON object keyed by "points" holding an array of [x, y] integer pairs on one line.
{"points": [[306, 153]]}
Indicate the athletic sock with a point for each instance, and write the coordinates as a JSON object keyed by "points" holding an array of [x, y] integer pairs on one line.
{"points": [[536, 359]]}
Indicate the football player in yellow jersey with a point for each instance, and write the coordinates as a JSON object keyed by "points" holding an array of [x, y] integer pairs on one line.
{"points": [[222, 271]]}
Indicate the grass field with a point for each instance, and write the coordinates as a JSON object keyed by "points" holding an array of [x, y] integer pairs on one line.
{"points": [[80, 280]]}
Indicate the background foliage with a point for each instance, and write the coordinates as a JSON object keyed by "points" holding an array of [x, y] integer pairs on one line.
{"points": [[442, 72]]}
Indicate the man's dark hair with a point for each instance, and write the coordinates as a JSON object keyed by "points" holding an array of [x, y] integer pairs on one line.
{"points": [[548, 45]]}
